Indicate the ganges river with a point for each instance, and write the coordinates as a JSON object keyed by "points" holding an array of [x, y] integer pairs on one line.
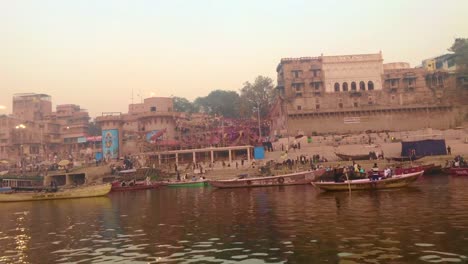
{"points": [[424, 223]]}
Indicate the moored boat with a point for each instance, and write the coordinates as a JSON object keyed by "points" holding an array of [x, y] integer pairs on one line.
{"points": [[305, 177], [431, 169], [457, 171], [346, 157], [187, 184], [76, 192], [121, 186], [366, 184]]}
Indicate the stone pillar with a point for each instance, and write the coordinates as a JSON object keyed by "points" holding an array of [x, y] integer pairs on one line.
{"points": [[212, 156], [194, 158], [159, 159], [177, 158], [248, 154], [68, 179], [230, 156]]}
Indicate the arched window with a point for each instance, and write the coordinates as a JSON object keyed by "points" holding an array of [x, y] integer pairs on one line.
{"points": [[345, 87], [337, 87], [353, 86], [370, 86], [362, 86], [440, 80]]}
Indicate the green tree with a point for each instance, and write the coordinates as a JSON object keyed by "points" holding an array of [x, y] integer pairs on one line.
{"points": [[219, 102], [261, 93], [183, 105], [460, 48]]}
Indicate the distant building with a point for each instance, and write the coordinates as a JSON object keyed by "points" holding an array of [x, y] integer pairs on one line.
{"points": [[133, 130], [352, 93], [34, 133], [31, 106], [444, 62]]}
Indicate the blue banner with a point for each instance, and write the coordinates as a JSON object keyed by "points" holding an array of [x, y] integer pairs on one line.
{"points": [[110, 144]]}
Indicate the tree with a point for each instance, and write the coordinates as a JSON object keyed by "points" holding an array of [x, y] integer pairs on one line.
{"points": [[219, 102], [261, 94], [460, 48], [183, 105]]}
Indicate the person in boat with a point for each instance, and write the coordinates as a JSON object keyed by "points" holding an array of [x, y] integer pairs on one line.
{"points": [[375, 173], [387, 173], [362, 171], [337, 176], [148, 180]]}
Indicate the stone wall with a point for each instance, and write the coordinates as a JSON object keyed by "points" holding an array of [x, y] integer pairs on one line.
{"points": [[376, 120]]}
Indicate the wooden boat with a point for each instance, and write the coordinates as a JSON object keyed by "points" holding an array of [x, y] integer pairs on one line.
{"points": [[187, 184], [346, 157], [366, 184], [122, 186], [305, 177], [458, 171], [77, 192], [431, 169]]}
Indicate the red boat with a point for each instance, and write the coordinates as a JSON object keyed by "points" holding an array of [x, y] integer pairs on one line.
{"points": [[459, 171], [119, 186]]}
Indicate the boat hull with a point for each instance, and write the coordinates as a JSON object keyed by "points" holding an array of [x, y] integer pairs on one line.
{"points": [[187, 184], [365, 184], [352, 157], [136, 187], [281, 180], [78, 192], [459, 171]]}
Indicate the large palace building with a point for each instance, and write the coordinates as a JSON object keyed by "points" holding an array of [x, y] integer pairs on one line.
{"points": [[353, 93]]}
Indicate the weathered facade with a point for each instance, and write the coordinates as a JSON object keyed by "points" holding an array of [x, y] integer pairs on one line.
{"points": [[135, 128], [353, 93], [33, 133]]}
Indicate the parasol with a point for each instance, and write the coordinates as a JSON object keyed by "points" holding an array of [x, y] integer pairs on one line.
{"points": [[63, 162]]}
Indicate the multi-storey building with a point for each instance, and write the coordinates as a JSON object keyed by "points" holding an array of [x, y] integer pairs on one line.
{"points": [[31, 106], [129, 133], [33, 132], [352, 93]]}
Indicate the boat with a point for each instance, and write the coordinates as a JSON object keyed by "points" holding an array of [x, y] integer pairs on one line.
{"points": [[431, 169], [346, 157], [305, 177], [457, 171], [121, 186], [5, 189], [188, 184], [366, 184], [76, 192]]}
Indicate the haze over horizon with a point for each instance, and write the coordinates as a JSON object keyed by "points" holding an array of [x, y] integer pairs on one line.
{"points": [[94, 53]]}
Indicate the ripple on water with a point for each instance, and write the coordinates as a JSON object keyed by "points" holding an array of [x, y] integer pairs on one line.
{"points": [[424, 245], [442, 257]]}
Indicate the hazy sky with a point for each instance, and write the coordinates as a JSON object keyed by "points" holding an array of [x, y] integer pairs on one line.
{"points": [[93, 53]]}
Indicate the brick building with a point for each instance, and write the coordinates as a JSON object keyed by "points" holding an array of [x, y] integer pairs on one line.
{"points": [[353, 93], [133, 130], [34, 132]]}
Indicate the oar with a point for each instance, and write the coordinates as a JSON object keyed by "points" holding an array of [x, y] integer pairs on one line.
{"points": [[349, 183]]}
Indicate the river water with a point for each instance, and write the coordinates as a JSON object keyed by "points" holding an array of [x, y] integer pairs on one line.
{"points": [[424, 223]]}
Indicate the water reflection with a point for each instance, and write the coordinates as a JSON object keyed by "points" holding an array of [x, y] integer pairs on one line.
{"points": [[425, 223]]}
